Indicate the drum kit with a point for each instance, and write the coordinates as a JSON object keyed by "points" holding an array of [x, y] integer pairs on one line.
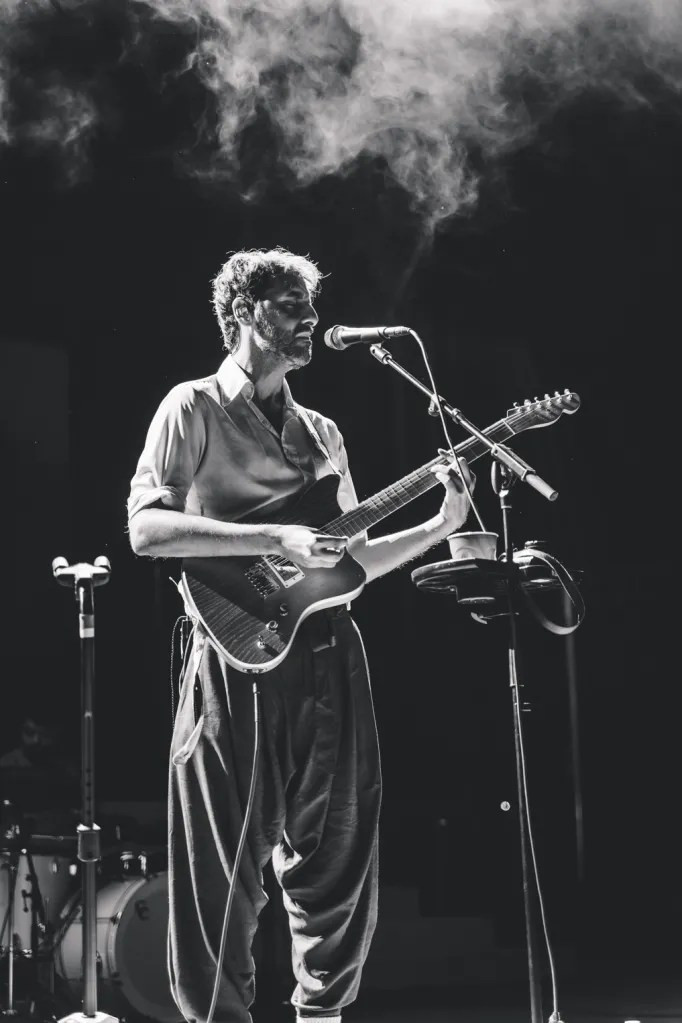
{"points": [[41, 926]]}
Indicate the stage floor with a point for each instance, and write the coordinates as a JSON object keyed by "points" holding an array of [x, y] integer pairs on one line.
{"points": [[597, 994]]}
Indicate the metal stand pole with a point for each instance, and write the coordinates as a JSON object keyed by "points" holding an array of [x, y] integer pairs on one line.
{"points": [[502, 481], [12, 868], [84, 578]]}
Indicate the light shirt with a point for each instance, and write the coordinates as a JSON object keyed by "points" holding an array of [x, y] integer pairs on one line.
{"points": [[211, 451]]}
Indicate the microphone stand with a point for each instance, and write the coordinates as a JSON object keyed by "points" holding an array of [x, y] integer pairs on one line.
{"points": [[502, 482], [500, 452], [84, 578], [508, 467]]}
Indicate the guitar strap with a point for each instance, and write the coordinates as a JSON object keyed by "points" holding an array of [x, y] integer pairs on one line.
{"points": [[317, 440]]}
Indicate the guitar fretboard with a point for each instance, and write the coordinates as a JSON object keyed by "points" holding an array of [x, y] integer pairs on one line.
{"points": [[397, 495]]}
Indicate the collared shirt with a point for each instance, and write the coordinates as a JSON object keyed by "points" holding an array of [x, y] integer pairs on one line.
{"points": [[211, 451]]}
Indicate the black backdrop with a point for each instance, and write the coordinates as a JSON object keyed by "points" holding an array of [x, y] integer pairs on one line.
{"points": [[565, 276]]}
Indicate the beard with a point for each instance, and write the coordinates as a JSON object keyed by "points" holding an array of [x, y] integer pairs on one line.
{"points": [[281, 341]]}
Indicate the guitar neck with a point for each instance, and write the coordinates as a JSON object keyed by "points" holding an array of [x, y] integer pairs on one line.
{"points": [[397, 495]]}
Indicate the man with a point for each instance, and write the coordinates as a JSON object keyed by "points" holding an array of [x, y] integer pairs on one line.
{"points": [[218, 450]]}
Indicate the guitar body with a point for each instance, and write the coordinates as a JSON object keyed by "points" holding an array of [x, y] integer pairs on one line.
{"points": [[251, 607]]}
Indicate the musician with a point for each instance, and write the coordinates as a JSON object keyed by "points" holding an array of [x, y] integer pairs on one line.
{"points": [[218, 449]]}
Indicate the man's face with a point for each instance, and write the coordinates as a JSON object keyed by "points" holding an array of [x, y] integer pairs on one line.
{"points": [[284, 320]]}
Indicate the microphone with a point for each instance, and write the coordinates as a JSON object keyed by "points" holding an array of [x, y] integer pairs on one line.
{"points": [[342, 337]]}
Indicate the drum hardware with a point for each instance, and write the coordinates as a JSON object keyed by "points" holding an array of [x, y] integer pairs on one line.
{"points": [[34, 884]]}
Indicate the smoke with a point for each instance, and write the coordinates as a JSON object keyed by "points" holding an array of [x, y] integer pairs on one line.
{"points": [[48, 106], [435, 91]]}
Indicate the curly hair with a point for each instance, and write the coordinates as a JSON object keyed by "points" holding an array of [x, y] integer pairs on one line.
{"points": [[248, 273]]}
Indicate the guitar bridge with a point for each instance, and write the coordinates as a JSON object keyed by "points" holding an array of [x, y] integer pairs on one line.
{"points": [[267, 578]]}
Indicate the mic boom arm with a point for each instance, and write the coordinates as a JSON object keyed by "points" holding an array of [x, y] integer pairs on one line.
{"points": [[503, 454]]}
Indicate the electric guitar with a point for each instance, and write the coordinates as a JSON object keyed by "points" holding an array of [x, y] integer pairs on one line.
{"points": [[251, 606]]}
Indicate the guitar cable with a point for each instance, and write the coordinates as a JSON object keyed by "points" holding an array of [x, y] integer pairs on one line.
{"points": [[185, 647], [240, 850]]}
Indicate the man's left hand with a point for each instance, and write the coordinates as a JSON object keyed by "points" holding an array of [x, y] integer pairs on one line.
{"points": [[455, 507]]}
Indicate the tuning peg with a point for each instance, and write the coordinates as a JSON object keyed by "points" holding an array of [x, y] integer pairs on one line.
{"points": [[546, 395], [566, 390], [556, 394], [526, 401]]}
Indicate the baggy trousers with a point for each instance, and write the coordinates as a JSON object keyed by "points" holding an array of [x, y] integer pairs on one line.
{"points": [[315, 813]]}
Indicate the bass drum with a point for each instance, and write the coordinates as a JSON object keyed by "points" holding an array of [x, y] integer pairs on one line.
{"points": [[132, 923]]}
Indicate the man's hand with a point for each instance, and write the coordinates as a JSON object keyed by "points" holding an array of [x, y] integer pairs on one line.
{"points": [[308, 548], [455, 508]]}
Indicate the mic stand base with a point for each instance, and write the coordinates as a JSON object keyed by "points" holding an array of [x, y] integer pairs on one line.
{"points": [[97, 1017]]}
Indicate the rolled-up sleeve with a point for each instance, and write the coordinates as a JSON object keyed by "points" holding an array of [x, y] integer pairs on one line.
{"points": [[172, 453]]}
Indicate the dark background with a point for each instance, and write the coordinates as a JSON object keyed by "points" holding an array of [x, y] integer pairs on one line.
{"points": [[566, 275]]}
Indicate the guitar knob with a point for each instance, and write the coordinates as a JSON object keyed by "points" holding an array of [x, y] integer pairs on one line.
{"points": [[273, 626], [284, 610], [260, 643]]}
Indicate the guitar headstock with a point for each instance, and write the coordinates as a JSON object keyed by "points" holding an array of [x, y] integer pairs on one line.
{"points": [[543, 411]]}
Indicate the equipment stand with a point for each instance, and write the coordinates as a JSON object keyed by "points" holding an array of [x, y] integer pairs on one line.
{"points": [[84, 578], [12, 868], [503, 480], [479, 582]]}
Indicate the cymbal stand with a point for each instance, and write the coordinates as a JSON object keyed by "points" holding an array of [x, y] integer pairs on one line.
{"points": [[84, 578], [12, 867]]}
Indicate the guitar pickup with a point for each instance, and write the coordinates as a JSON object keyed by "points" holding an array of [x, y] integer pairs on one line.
{"points": [[288, 573]]}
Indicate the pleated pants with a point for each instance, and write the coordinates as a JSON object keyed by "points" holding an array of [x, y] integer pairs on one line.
{"points": [[315, 814]]}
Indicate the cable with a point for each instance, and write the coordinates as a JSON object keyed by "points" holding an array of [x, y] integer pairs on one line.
{"points": [[240, 850], [448, 439], [555, 1017], [185, 646]]}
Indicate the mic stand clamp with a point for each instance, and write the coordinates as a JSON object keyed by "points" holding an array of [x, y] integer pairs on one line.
{"points": [[84, 578]]}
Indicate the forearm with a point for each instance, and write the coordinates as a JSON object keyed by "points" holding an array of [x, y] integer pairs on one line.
{"points": [[164, 533], [385, 553]]}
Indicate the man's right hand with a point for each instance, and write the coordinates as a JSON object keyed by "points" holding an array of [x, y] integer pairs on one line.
{"points": [[308, 548]]}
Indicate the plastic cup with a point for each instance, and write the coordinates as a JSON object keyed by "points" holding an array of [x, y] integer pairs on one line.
{"points": [[464, 546]]}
